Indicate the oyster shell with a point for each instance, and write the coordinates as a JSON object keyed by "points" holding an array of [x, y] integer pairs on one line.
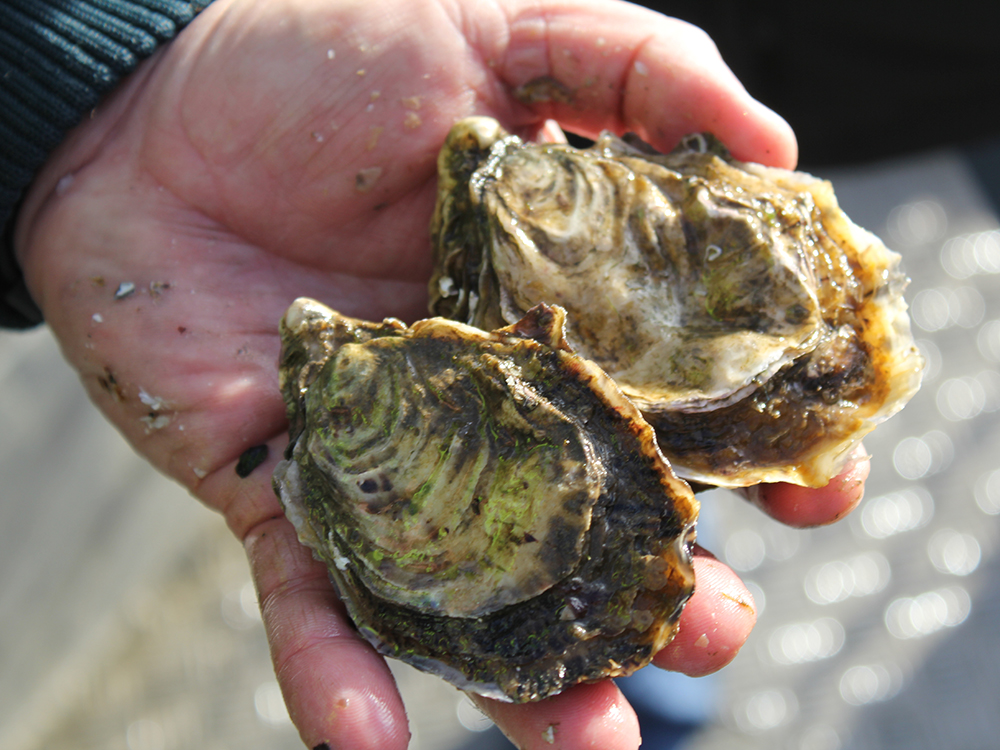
{"points": [[490, 507], [758, 329]]}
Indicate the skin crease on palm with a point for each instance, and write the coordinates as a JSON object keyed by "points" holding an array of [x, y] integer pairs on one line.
{"points": [[285, 148]]}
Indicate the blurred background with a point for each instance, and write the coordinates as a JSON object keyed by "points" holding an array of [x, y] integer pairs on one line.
{"points": [[127, 617]]}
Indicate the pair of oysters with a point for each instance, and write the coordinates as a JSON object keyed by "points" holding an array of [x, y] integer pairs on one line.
{"points": [[499, 491]]}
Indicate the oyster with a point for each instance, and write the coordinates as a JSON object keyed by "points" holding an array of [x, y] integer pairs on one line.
{"points": [[490, 507], [758, 329]]}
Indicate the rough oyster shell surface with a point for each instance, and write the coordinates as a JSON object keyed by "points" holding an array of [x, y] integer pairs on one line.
{"points": [[490, 507], [758, 329]]}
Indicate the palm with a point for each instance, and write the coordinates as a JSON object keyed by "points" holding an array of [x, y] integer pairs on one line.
{"points": [[263, 182], [284, 149]]}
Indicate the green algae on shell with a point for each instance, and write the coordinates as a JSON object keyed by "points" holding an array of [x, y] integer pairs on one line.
{"points": [[490, 507]]}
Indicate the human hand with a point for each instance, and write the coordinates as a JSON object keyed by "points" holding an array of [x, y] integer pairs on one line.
{"points": [[287, 148]]}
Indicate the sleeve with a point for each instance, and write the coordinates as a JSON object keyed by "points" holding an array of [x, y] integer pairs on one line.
{"points": [[57, 59]]}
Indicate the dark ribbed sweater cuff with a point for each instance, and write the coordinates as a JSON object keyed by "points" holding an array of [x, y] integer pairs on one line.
{"points": [[57, 59]]}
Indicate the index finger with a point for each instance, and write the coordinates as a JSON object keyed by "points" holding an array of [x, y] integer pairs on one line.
{"points": [[594, 64]]}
